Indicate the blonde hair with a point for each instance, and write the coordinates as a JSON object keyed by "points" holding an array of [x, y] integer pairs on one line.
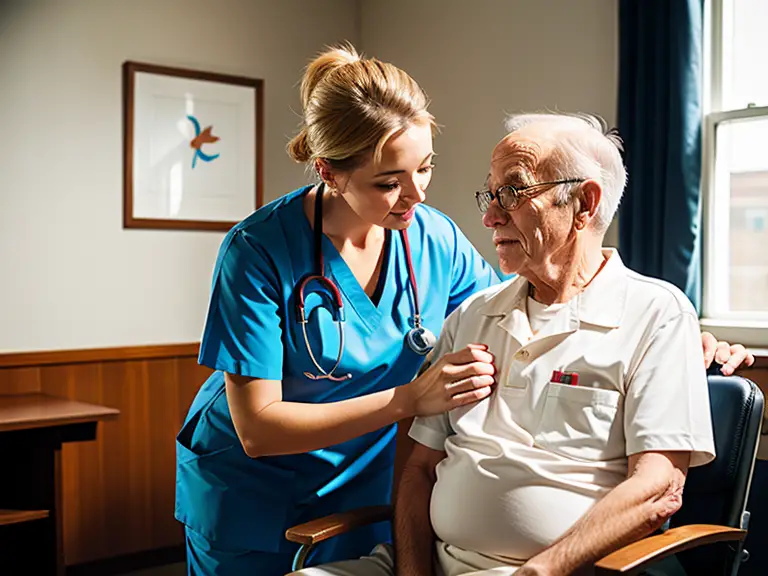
{"points": [[352, 106]]}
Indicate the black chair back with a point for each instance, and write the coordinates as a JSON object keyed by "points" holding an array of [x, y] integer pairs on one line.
{"points": [[717, 492]]}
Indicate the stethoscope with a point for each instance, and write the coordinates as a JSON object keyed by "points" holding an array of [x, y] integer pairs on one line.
{"points": [[419, 338]]}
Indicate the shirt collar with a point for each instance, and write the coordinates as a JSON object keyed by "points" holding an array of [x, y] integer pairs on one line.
{"points": [[601, 303]]}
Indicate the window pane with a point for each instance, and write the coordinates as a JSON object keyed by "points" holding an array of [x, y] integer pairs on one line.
{"points": [[742, 166], [745, 61]]}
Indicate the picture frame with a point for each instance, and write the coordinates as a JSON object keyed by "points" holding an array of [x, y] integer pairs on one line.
{"points": [[192, 148]]}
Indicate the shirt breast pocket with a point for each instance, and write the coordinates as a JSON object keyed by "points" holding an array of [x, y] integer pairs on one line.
{"points": [[582, 423]]}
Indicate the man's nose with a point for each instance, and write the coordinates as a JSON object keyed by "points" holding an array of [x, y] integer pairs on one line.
{"points": [[495, 215]]}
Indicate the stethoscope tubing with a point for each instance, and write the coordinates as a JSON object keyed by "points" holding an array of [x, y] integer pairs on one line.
{"points": [[338, 304]]}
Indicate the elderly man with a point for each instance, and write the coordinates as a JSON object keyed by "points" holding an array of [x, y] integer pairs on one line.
{"points": [[601, 403]]}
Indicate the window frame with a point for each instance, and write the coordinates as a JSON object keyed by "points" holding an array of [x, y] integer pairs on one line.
{"points": [[748, 328]]}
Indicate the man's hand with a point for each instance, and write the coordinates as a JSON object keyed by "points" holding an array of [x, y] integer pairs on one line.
{"points": [[529, 569], [536, 568], [730, 356]]}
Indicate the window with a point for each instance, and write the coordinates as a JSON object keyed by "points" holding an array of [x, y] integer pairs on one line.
{"points": [[735, 178]]}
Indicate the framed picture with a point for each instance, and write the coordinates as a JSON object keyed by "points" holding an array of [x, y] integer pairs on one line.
{"points": [[192, 148]]}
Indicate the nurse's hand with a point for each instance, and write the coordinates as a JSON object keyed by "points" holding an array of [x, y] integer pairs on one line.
{"points": [[729, 356], [456, 379]]}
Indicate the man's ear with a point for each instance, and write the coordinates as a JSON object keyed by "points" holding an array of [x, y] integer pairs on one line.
{"points": [[588, 199]]}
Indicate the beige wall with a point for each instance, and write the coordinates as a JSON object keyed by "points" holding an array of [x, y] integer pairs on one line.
{"points": [[479, 59], [71, 276]]}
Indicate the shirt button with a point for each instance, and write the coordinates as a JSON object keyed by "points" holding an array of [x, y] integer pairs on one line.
{"points": [[522, 355]]}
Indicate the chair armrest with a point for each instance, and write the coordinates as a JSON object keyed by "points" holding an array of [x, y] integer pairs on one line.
{"points": [[314, 531], [638, 555]]}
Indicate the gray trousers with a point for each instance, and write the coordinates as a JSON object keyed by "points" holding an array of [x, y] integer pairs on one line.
{"points": [[381, 562]]}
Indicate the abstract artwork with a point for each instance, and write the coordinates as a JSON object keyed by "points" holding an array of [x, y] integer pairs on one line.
{"points": [[192, 148]]}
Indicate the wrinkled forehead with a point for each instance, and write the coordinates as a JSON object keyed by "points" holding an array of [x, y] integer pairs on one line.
{"points": [[518, 159]]}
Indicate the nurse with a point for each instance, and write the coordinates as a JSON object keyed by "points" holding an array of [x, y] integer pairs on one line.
{"points": [[324, 303]]}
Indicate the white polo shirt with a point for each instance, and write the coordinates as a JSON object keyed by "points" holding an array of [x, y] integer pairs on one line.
{"points": [[524, 464]]}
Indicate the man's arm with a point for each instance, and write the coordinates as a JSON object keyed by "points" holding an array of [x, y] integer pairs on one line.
{"points": [[414, 539], [651, 493], [403, 448]]}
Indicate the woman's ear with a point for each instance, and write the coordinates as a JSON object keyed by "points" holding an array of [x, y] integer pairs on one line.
{"points": [[586, 202], [325, 172]]}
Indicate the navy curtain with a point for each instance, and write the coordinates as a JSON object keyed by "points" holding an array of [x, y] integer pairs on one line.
{"points": [[660, 93]]}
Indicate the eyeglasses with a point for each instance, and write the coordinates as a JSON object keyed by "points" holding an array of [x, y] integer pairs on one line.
{"points": [[510, 197]]}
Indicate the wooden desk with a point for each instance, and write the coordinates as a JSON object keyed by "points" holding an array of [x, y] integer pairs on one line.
{"points": [[32, 429]]}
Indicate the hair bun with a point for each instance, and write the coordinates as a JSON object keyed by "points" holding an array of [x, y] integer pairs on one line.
{"points": [[298, 148], [351, 106], [333, 58]]}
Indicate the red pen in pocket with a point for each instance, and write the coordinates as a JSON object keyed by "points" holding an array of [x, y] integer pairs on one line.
{"points": [[570, 378]]}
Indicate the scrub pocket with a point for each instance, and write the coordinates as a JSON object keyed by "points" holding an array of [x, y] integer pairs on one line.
{"points": [[226, 496], [582, 423]]}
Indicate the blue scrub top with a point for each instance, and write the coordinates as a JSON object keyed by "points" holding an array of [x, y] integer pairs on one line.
{"points": [[252, 330]]}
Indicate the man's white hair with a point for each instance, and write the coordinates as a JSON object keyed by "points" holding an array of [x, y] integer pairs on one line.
{"points": [[585, 148]]}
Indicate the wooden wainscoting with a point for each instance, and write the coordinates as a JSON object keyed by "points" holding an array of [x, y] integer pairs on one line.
{"points": [[118, 491], [758, 373]]}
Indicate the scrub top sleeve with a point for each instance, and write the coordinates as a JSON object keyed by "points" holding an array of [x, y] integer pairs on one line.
{"points": [[470, 272], [432, 431], [243, 330], [667, 400]]}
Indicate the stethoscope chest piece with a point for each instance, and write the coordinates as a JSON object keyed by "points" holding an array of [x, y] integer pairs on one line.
{"points": [[421, 340]]}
